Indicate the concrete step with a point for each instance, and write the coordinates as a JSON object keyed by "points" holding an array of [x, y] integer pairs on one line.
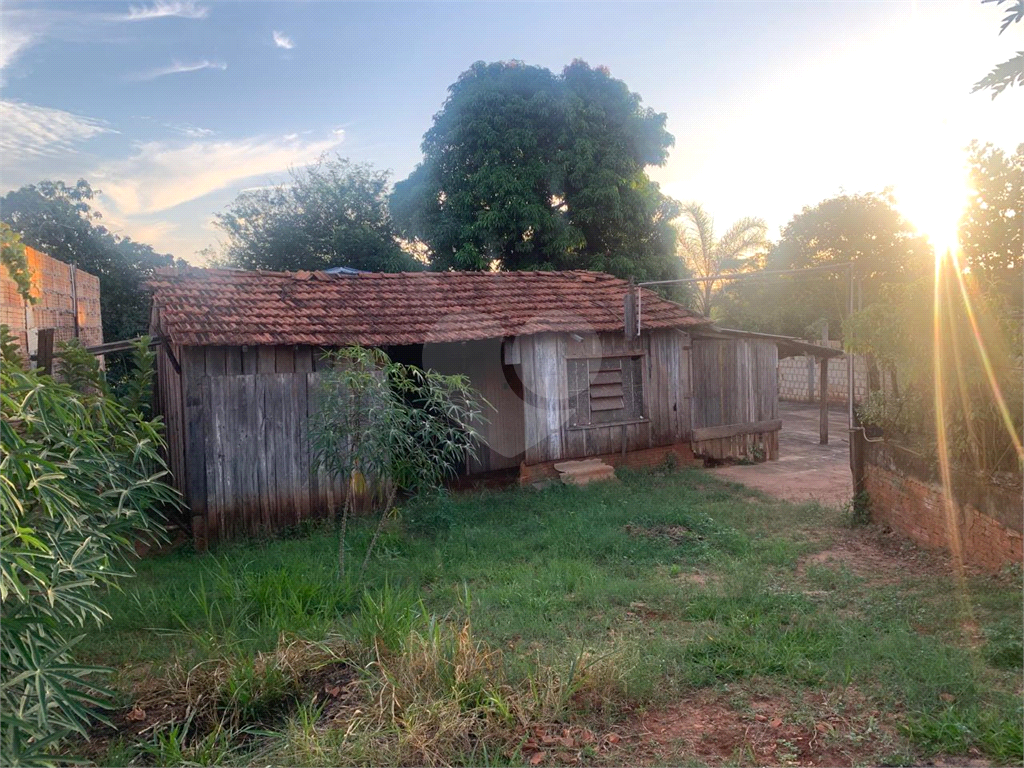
{"points": [[584, 471]]}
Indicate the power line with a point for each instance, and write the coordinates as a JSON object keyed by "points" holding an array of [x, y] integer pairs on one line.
{"points": [[740, 275]]}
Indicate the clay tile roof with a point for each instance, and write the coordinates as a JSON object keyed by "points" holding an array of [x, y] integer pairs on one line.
{"points": [[204, 307]]}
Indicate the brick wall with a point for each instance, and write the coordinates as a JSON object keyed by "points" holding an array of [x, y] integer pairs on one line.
{"points": [[983, 525], [55, 293], [795, 386]]}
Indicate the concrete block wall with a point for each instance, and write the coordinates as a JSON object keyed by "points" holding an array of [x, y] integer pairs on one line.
{"points": [[795, 386]]}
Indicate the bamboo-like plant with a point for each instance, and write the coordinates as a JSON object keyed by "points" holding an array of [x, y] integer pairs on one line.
{"points": [[80, 480], [398, 427]]}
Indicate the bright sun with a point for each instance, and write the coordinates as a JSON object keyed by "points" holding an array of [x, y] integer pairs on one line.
{"points": [[933, 195]]}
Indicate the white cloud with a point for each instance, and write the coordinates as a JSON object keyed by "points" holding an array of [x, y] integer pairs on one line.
{"points": [[34, 130], [177, 68], [13, 42], [283, 41], [185, 9], [161, 176]]}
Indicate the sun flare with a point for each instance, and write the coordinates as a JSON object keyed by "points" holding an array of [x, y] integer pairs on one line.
{"points": [[933, 197]]}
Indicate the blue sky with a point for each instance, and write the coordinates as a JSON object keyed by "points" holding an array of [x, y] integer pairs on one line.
{"points": [[172, 107]]}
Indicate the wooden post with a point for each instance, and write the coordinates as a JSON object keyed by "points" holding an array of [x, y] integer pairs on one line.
{"points": [[74, 297], [44, 350], [823, 391], [823, 406], [629, 313], [810, 378]]}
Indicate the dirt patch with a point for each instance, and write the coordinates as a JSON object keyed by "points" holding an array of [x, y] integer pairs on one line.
{"points": [[707, 728], [640, 611], [878, 556], [677, 534], [696, 577], [335, 688]]}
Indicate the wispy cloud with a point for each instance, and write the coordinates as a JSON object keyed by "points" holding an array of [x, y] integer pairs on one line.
{"points": [[193, 132], [178, 68], [12, 43], [283, 41], [185, 9], [162, 176], [30, 130]]}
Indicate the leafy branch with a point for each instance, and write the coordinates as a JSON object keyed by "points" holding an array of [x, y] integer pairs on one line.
{"points": [[1010, 72], [12, 254]]}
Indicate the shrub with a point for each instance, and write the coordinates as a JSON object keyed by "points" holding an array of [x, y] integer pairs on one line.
{"points": [[80, 479], [401, 427]]}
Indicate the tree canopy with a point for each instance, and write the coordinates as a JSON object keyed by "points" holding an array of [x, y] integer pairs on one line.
{"points": [[59, 220], [525, 169], [992, 227], [865, 229], [332, 214]]}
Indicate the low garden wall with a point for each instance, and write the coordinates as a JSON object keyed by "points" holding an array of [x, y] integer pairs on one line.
{"points": [[982, 527]]}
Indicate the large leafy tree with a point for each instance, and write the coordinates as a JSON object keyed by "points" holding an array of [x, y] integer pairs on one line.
{"points": [[332, 214], [865, 229], [705, 255], [992, 227], [59, 220], [524, 169]]}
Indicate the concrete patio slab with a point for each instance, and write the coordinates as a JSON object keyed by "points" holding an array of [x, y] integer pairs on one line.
{"points": [[805, 470]]}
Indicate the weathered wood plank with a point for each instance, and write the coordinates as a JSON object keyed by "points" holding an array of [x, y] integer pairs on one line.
{"points": [[301, 444], [264, 468], [729, 430], [249, 494], [214, 482], [285, 359], [216, 361], [250, 360], [193, 368], [303, 359], [532, 424], [232, 360], [266, 360]]}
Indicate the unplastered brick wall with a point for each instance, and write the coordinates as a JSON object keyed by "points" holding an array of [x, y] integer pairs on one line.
{"points": [[55, 291], [983, 523], [796, 375]]}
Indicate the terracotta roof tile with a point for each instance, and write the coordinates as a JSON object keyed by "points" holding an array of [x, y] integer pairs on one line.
{"points": [[204, 307]]}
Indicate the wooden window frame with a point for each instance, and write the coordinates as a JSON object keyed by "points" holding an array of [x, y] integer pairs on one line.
{"points": [[615, 382]]}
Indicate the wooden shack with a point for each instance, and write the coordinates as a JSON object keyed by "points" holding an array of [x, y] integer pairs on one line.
{"points": [[244, 350]]}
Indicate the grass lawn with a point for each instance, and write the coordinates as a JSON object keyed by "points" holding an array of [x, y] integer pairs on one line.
{"points": [[669, 618]]}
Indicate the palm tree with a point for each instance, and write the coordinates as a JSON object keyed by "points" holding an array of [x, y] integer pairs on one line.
{"points": [[705, 256]]}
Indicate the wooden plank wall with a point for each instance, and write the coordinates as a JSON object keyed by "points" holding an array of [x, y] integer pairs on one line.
{"points": [[735, 383], [169, 405], [247, 466], [666, 394]]}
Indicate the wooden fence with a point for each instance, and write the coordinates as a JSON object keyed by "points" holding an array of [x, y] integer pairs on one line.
{"points": [[735, 398]]}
